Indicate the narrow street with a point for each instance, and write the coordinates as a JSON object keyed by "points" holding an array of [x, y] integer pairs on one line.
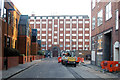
{"points": [[50, 68]]}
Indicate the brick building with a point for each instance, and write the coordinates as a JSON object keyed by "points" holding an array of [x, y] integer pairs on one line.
{"points": [[105, 31], [24, 36], [9, 24], [34, 42], [58, 33]]}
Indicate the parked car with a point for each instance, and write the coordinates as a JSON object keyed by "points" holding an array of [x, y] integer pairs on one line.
{"points": [[68, 59]]}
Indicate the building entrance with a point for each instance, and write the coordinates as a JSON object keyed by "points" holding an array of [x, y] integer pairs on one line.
{"points": [[107, 55]]}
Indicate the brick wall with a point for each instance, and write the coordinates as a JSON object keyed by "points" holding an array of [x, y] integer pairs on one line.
{"points": [[13, 61], [34, 48]]}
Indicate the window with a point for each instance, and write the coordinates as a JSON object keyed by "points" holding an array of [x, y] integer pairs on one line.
{"points": [[44, 22], [67, 45], [56, 17], [55, 42], [86, 45], [74, 22], [80, 17], [43, 49], [43, 17], [37, 22], [37, 17], [49, 17], [50, 29], [43, 29], [80, 40], [38, 34], [55, 31], [31, 22], [61, 17], [117, 19], [86, 29], [67, 17], [61, 45], [100, 17], [9, 18], [73, 29], [50, 22], [8, 42], [49, 40], [32, 17], [86, 34], [43, 45], [67, 29], [61, 29], [4, 14], [55, 37], [86, 40], [56, 25], [74, 46], [100, 41], [80, 29], [43, 34], [108, 11], [93, 23], [38, 29], [49, 34], [80, 34], [61, 34], [67, 34], [73, 34], [80, 45], [49, 45], [74, 17], [61, 40], [1, 8], [43, 40], [87, 22], [67, 22], [61, 22], [67, 40], [93, 43], [93, 3], [74, 40], [80, 22]]}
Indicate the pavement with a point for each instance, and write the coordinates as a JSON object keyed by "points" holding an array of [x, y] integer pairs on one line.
{"points": [[15, 70], [96, 68]]}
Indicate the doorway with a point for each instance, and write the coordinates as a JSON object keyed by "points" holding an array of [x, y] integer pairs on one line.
{"points": [[107, 55], [55, 52]]}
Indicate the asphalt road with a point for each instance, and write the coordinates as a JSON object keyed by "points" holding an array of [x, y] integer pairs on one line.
{"points": [[50, 68]]}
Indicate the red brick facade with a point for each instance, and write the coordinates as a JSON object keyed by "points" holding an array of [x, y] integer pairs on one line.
{"points": [[104, 47], [66, 32]]}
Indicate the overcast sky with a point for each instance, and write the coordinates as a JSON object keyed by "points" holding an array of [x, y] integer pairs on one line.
{"points": [[53, 7]]}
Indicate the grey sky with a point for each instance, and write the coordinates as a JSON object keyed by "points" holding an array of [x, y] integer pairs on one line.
{"points": [[54, 7]]}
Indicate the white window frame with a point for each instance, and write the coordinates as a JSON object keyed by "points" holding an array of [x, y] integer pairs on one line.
{"points": [[50, 34], [49, 40], [67, 34], [100, 17], [93, 4], [108, 11], [93, 23], [43, 34], [61, 29], [61, 34], [117, 19]]}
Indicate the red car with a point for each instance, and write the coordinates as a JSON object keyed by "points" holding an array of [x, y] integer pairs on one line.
{"points": [[59, 59]]}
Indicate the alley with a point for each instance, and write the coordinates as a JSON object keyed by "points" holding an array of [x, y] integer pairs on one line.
{"points": [[50, 68]]}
